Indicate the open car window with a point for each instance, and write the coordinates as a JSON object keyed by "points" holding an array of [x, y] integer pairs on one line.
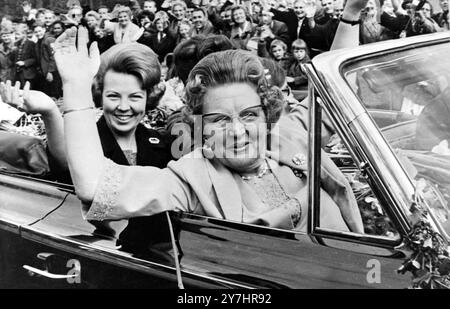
{"points": [[372, 210], [407, 94]]}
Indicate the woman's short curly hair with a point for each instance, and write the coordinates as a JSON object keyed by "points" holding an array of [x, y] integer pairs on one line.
{"points": [[134, 59], [227, 67]]}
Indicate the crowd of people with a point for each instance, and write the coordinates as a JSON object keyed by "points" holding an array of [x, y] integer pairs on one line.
{"points": [[225, 61], [290, 32]]}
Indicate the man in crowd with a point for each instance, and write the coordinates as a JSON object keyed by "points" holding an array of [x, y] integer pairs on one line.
{"points": [[103, 11], [150, 6], [202, 26], [325, 13], [273, 29]]}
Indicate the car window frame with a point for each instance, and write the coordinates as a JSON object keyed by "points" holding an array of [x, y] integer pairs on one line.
{"points": [[318, 90]]}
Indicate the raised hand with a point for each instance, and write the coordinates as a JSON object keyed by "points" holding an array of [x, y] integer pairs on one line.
{"points": [[26, 100], [310, 9], [76, 64]]}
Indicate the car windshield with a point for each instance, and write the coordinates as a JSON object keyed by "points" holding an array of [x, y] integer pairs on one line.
{"points": [[407, 93]]}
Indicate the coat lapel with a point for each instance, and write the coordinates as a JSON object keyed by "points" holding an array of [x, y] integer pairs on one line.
{"points": [[227, 191]]}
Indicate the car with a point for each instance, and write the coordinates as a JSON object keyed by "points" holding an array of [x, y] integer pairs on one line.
{"points": [[364, 111]]}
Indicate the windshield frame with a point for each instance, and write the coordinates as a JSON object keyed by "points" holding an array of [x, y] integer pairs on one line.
{"points": [[330, 68]]}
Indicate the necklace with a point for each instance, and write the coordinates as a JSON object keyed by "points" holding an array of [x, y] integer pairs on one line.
{"points": [[262, 171]]}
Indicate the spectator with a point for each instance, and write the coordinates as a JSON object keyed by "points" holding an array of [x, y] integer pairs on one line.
{"points": [[6, 49], [325, 13], [75, 15], [202, 26], [56, 29], [242, 30], [178, 12], [103, 11], [421, 22], [40, 16], [277, 51], [301, 24], [370, 30], [104, 39], [296, 78], [184, 30], [92, 20], [48, 77], [442, 18], [49, 18], [145, 19], [150, 6], [23, 57], [273, 29], [124, 31], [161, 42]]}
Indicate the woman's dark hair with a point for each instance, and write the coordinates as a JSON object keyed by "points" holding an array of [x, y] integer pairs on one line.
{"points": [[185, 57], [228, 67], [142, 14], [58, 22], [135, 59], [214, 43]]}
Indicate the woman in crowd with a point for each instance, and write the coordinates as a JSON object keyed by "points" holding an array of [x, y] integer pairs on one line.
{"points": [[184, 30], [230, 176], [161, 42], [124, 30], [243, 30], [126, 86]]}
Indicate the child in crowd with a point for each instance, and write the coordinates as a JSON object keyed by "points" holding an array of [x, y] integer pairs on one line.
{"points": [[296, 78]]}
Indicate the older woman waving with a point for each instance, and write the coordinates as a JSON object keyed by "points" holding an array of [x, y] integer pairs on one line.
{"points": [[232, 176]]}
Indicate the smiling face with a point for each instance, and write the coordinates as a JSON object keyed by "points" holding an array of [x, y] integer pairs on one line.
{"points": [[159, 25], [150, 6], [426, 9], [241, 143], [327, 5], [179, 12], [299, 9], [184, 30], [198, 19], [6, 38], [49, 18], [91, 22], [444, 5], [57, 29], [123, 101], [239, 16], [124, 19]]}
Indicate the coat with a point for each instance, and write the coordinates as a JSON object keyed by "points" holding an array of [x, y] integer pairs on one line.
{"points": [[29, 57]]}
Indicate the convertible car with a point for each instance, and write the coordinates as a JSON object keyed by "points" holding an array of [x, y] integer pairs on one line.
{"points": [[370, 109]]}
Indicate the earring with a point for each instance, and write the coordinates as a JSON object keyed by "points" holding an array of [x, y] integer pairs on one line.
{"points": [[208, 152]]}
